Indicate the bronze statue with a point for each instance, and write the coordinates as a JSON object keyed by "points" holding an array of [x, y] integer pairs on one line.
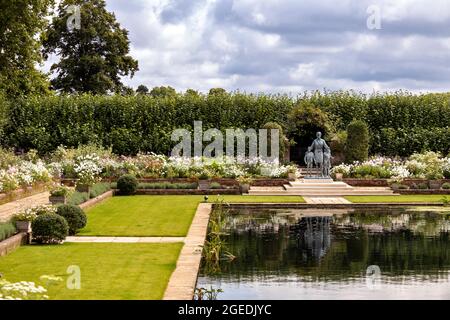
{"points": [[320, 147]]}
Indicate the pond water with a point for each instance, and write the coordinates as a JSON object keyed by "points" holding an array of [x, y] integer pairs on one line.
{"points": [[323, 254]]}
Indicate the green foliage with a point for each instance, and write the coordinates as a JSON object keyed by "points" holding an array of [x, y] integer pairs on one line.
{"points": [[163, 92], [357, 144], [127, 184], [77, 198], [142, 89], [99, 189], [20, 22], [75, 217], [49, 228], [446, 186], [167, 185], [306, 119], [215, 185], [7, 229], [145, 123], [371, 171], [94, 57], [283, 140]]}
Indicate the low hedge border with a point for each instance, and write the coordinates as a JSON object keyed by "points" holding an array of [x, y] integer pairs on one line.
{"points": [[425, 191], [184, 192], [258, 182]]}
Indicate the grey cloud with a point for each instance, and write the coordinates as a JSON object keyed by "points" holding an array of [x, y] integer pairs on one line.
{"points": [[201, 44]]}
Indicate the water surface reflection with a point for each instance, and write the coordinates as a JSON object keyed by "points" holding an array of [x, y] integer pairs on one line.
{"points": [[316, 254]]}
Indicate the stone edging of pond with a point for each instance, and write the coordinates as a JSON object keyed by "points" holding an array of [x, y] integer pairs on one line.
{"points": [[184, 278], [331, 205]]}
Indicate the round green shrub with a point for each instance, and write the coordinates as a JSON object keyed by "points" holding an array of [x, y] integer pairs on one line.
{"points": [[446, 186], [74, 215], [423, 186], [357, 144], [127, 184], [49, 228]]}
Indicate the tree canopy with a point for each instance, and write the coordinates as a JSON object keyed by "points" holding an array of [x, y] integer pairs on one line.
{"points": [[21, 22], [93, 57]]}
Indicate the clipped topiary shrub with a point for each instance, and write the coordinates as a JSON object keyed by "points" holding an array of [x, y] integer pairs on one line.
{"points": [[446, 186], [127, 184], [49, 228], [75, 217], [357, 144]]}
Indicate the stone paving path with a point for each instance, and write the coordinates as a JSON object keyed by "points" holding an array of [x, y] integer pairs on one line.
{"points": [[183, 281], [89, 239], [325, 200], [8, 209]]}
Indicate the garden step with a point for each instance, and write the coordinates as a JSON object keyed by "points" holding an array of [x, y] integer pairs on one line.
{"points": [[325, 191], [317, 186]]}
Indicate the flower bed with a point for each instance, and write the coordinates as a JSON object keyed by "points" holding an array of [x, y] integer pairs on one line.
{"points": [[87, 165], [429, 166]]}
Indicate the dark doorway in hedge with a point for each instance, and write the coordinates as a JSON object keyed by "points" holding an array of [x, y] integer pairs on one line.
{"points": [[304, 121]]}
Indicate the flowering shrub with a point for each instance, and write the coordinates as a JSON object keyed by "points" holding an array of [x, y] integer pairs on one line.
{"points": [[30, 214], [428, 165], [22, 290], [22, 174], [87, 169], [60, 191]]}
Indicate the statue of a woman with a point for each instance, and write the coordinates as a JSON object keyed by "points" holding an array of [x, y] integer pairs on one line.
{"points": [[318, 147]]}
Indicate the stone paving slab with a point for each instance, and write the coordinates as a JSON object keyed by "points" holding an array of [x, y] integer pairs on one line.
{"points": [[89, 239], [184, 278], [7, 210], [326, 200]]}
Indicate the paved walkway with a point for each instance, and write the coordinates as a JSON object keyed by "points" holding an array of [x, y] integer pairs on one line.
{"points": [[125, 239], [10, 208], [183, 281], [325, 200]]}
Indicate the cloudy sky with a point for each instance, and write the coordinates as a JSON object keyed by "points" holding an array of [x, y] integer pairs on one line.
{"points": [[289, 45]]}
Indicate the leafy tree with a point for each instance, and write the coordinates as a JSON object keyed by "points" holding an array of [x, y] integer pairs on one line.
{"points": [[20, 23], [160, 92], [142, 89], [192, 92], [306, 119], [217, 91], [93, 57], [357, 145]]}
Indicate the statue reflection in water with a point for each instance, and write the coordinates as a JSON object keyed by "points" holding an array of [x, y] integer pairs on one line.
{"points": [[313, 236]]}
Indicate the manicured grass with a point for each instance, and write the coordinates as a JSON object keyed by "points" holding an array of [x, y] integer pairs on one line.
{"points": [[155, 215], [141, 216], [108, 270], [400, 198]]}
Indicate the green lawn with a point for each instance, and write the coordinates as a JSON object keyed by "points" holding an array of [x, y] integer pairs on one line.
{"points": [[155, 215], [108, 270], [400, 198]]}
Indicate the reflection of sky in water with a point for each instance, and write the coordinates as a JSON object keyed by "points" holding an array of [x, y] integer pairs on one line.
{"points": [[312, 255], [296, 289]]}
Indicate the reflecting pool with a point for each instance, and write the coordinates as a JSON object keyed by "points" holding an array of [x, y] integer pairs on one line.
{"points": [[323, 254]]}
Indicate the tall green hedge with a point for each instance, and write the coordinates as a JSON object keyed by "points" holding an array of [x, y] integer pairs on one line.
{"points": [[357, 144], [399, 123]]}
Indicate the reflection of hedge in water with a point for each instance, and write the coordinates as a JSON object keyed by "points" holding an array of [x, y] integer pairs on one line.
{"points": [[303, 249]]}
